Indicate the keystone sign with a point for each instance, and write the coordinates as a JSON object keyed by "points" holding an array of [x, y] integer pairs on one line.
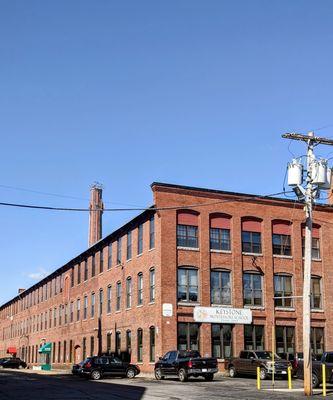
{"points": [[223, 315]]}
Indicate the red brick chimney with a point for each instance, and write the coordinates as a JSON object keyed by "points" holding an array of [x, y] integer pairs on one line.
{"points": [[95, 215]]}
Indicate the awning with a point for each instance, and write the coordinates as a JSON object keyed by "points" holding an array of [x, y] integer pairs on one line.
{"points": [[46, 348], [11, 350]]}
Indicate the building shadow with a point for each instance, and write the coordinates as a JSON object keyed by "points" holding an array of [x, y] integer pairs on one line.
{"points": [[17, 385]]}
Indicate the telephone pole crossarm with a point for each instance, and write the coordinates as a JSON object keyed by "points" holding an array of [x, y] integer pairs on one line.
{"points": [[306, 138]]}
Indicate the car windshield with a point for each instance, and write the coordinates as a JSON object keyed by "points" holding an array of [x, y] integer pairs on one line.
{"points": [[266, 355]]}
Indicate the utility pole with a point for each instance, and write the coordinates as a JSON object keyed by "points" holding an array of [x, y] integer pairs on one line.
{"points": [[313, 184]]}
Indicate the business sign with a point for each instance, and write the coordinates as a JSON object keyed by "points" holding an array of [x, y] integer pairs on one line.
{"points": [[223, 315], [167, 310]]}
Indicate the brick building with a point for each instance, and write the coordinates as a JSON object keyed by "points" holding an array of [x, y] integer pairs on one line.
{"points": [[201, 247]]}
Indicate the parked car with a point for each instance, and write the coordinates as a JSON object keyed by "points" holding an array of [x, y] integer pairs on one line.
{"points": [[12, 362], [76, 368], [103, 366], [317, 361], [248, 361], [185, 364]]}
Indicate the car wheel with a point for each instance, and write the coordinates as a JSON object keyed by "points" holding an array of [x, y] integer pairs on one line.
{"points": [[209, 377], [95, 375], [315, 381], [263, 374], [232, 372], [130, 373], [182, 375], [158, 374]]}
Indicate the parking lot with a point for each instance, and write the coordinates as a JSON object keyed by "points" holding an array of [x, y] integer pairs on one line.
{"points": [[25, 383]]}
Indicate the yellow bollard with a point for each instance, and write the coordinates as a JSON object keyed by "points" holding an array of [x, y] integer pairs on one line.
{"points": [[289, 378], [324, 379], [258, 378]]}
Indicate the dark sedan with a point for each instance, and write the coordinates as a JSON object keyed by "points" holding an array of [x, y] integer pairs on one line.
{"points": [[106, 366], [12, 362]]}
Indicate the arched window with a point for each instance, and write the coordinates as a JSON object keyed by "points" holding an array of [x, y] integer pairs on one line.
{"points": [[187, 229], [252, 289], [283, 290], [139, 344], [315, 241], [188, 287], [281, 237], [220, 232], [140, 288], [251, 235], [128, 341], [129, 292], [316, 300], [152, 344], [151, 285]]}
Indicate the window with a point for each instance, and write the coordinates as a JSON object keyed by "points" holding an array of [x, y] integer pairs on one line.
{"points": [[140, 288], [317, 340], [85, 307], [71, 312], [100, 301], [220, 291], [71, 351], [54, 318], [188, 336], [315, 241], [140, 238], [187, 285], [60, 319], [118, 342], [152, 232], [187, 236], [85, 270], [221, 341], [118, 293], [285, 340], [316, 292], [108, 304], [129, 292], [254, 337], [93, 265], [119, 251], [78, 274], [101, 261], [66, 314], [251, 236], [128, 341], [139, 344], [129, 245], [78, 309], [281, 238], [65, 351], [72, 277], [92, 346], [110, 256], [108, 342], [252, 289], [283, 289], [187, 230], [84, 348], [152, 344], [92, 310], [220, 233], [152, 285]]}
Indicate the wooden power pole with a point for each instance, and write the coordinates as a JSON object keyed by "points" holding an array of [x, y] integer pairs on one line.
{"points": [[309, 196]]}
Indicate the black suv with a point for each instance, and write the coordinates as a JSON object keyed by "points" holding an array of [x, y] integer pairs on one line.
{"points": [[98, 367]]}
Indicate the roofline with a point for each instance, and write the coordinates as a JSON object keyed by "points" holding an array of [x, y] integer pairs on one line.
{"points": [[252, 196], [86, 253]]}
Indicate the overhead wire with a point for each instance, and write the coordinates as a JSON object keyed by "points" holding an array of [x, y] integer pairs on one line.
{"points": [[50, 208]]}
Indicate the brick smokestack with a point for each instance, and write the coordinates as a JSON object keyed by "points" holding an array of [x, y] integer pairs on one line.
{"points": [[95, 215]]}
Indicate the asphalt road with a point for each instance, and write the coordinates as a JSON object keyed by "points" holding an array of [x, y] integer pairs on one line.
{"points": [[19, 385]]}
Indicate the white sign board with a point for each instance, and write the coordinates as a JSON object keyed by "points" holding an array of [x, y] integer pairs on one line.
{"points": [[167, 310], [223, 315]]}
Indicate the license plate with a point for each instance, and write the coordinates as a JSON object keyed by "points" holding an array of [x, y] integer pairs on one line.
{"points": [[204, 370], [283, 372]]}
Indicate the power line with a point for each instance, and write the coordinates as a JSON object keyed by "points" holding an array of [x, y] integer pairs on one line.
{"points": [[50, 208]]}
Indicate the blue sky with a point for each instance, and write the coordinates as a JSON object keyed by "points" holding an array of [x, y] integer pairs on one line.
{"points": [[130, 92]]}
